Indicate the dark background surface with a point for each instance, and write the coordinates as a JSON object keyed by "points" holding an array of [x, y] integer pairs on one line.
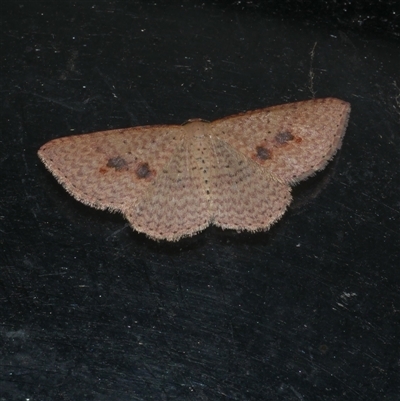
{"points": [[91, 310]]}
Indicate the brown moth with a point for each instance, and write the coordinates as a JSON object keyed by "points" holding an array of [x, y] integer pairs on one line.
{"points": [[172, 181]]}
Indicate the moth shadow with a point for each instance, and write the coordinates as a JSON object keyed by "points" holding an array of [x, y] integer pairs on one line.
{"points": [[308, 190]]}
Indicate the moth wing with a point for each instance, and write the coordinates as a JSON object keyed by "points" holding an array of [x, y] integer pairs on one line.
{"points": [[178, 204], [291, 141], [243, 197], [111, 169]]}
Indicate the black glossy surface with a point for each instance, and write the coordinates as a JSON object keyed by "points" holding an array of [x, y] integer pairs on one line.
{"points": [[91, 310]]}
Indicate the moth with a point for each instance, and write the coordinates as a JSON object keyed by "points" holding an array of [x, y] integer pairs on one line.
{"points": [[172, 181]]}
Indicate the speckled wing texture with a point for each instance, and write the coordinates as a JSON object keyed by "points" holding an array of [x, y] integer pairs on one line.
{"points": [[177, 204], [111, 169], [244, 196], [173, 181], [291, 141]]}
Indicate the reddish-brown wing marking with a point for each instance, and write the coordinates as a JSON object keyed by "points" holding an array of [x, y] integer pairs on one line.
{"points": [[111, 169], [291, 141]]}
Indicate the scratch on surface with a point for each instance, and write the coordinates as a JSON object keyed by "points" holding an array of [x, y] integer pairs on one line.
{"points": [[141, 102], [116, 232], [75, 107], [311, 74], [380, 202], [297, 394], [353, 390], [397, 98], [369, 197]]}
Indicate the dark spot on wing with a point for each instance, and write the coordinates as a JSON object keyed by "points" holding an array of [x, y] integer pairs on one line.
{"points": [[283, 137], [118, 163], [262, 153], [143, 170]]}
